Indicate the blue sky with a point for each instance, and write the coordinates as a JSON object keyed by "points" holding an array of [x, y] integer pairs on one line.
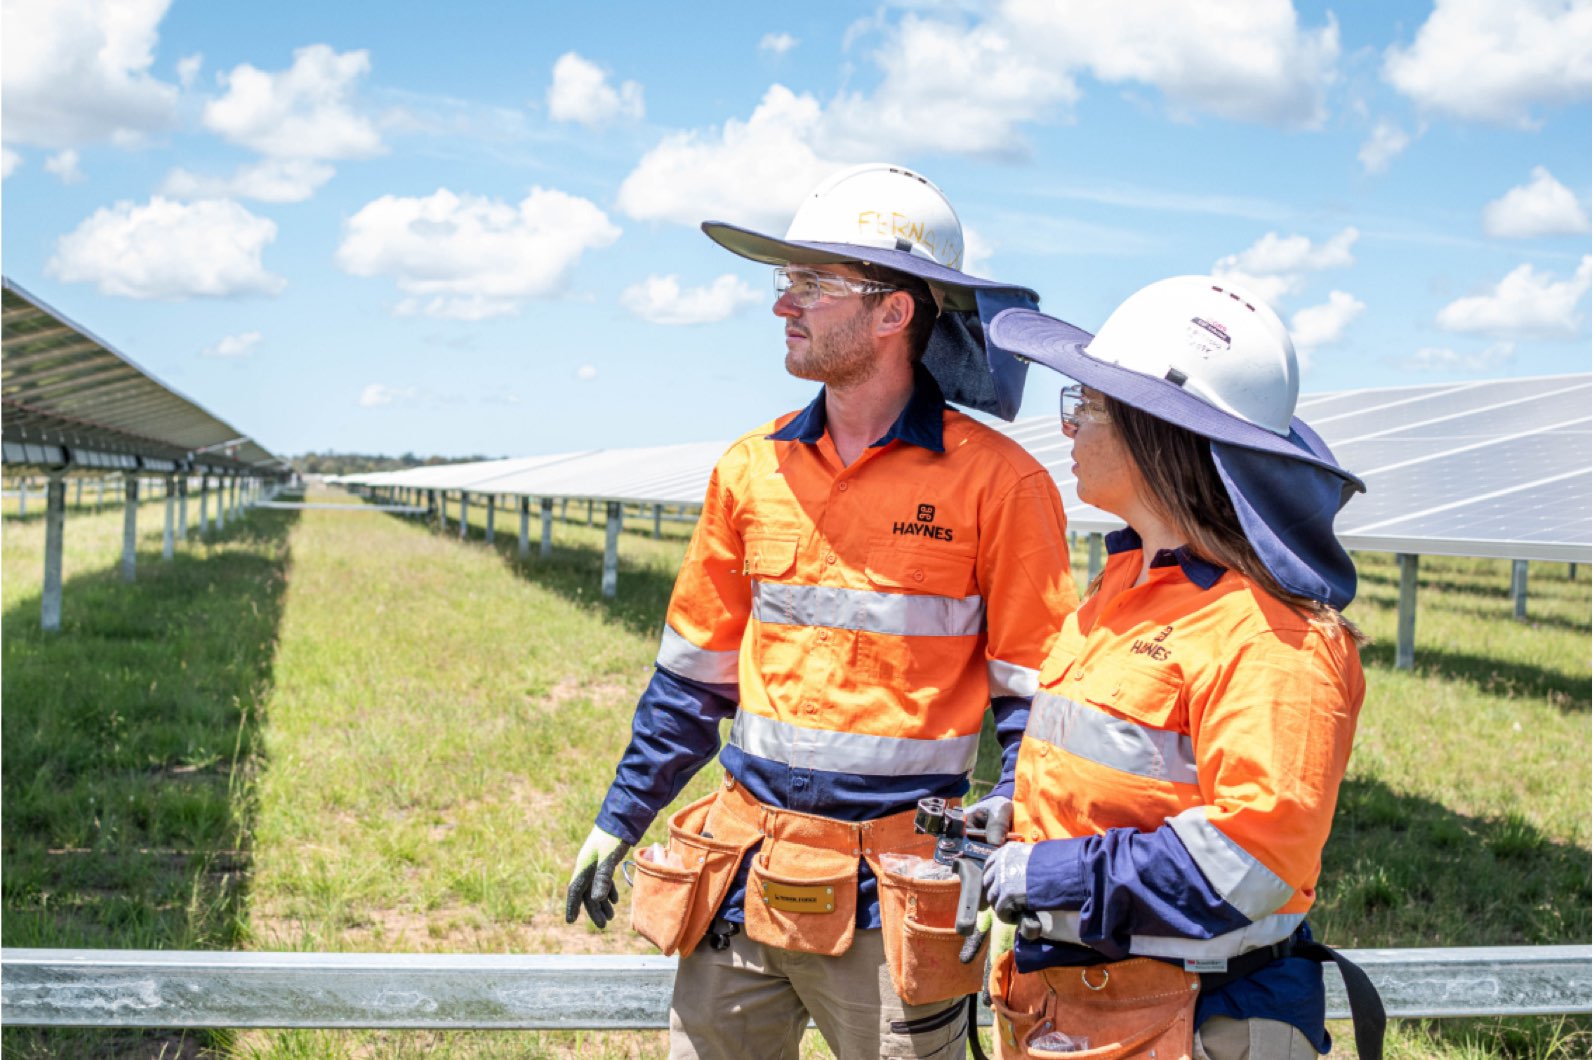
{"points": [[471, 228]]}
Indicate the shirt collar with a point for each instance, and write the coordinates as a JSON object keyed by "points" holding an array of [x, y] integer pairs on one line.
{"points": [[919, 422], [1202, 573]]}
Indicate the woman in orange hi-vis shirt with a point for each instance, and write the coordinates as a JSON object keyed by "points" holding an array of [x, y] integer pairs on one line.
{"points": [[1177, 778]]}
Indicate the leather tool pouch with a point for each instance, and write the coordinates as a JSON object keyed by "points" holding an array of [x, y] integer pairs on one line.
{"points": [[800, 896], [922, 945], [672, 906], [1135, 1008]]}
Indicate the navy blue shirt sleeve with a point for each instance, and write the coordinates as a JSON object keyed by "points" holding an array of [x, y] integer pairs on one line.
{"points": [[1012, 717], [674, 733]]}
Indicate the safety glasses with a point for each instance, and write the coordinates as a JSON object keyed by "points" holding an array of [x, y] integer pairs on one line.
{"points": [[808, 288], [1077, 409]]}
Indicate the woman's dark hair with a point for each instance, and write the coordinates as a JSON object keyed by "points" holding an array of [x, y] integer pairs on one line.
{"points": [[1182, 484], [924, 308]]}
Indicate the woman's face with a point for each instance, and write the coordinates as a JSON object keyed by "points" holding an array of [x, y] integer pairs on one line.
{"points": [[1105, 472]]}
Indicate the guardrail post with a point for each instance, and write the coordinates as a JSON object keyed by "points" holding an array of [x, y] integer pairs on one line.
{"points": [[54, 534], [1406, 613], [525, 527], [171, 505], [1096, 550], [1519, 588], [611, 549], [129, 527]]}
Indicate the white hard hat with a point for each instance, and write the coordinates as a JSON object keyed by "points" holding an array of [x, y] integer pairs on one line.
{"points": [[885, 206], [1213, 339]]}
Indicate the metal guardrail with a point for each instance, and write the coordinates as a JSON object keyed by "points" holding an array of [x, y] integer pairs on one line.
{"points": [[153, 988]]}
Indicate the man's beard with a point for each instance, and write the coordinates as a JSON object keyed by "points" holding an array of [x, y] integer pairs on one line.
{"points": [[845, 357]]}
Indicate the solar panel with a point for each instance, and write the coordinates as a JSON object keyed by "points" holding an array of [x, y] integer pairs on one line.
{"points": [[1499, 468]]}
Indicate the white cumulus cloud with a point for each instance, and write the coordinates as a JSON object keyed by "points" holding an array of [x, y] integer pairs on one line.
{"points": [[1490, 61], [586, 371], [1445, 359], [64, 165], [377, 394], [233, 346], [1275, 266], [169, 250], [78, 71], [1382, 146], [188, 68], [470, 257], [581, 92], [270, 180], [660, 300], [1248, 62], [777, 43], [305, 111], [1525, 302], [9, 161], [1325, 324], [1542, 207], [752, 173]]}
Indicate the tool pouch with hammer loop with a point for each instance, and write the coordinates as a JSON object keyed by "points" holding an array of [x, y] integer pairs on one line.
{"points": [[1136, 1008], [674, 901]]}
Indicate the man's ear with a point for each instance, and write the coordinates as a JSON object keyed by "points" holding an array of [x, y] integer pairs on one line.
{"points": [[897, 311]]}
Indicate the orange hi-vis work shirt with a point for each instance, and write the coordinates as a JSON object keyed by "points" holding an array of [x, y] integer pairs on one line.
{"points": [[1189, 739], [868, 615]]}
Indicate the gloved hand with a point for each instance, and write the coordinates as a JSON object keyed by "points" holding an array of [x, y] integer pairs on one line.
{"points": [[971, 945], [990, 818], [1005, 880], [592, 882]]}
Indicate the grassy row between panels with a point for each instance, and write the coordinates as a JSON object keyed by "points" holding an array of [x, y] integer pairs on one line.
{"points": [[345, 731]]}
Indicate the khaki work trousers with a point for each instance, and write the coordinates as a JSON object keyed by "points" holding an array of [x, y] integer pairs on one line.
{"points": [[1222, 1038], [751, 1001]]}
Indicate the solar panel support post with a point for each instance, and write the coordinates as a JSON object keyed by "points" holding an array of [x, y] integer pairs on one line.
{"points": [[167, 542], [182, 508], [204, 504], [525, 527], [1094, 567], [590, 503], [442, 510], [492, 506], [1519, 588], [564, 509], [99, 500], [658, 521], [1406, 613], [77, 501], [54, 535], [611, 550], [22, 498], [129, 527], [464, 515], [547, 528], [1571, 572]]}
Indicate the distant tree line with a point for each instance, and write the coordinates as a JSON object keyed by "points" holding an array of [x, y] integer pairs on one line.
{"points": [[330, 463]]}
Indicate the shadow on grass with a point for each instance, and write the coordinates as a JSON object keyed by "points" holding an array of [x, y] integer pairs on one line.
{"points": [[131, 738], [1567, 692], [1403, 870]]}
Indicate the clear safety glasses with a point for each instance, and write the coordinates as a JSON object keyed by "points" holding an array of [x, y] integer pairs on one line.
{"points": [[1077, 409], [808, 288]]}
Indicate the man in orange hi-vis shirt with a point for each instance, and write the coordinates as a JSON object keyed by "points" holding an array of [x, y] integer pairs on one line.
{"points": [[869, 577]]}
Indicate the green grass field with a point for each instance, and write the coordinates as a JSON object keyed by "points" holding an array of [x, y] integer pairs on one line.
{"points": [[344, 731]]}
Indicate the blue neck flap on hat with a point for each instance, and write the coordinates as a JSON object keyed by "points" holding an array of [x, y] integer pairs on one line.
{"points": [[1286, 508], [971, 372]]}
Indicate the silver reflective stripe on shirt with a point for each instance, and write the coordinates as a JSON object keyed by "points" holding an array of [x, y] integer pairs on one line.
{"points": [[1242, 880], [685, 659], [1010, 679], [1063, 926], [851, 752], [896, 613], [1116, 743]]}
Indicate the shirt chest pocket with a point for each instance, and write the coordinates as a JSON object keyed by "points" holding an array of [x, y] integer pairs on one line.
{"points": [[1151, 697], [921, 573], [770, 557]]}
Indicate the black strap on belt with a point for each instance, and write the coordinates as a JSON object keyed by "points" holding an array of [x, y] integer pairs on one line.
{"points": [[1366, 1007]]}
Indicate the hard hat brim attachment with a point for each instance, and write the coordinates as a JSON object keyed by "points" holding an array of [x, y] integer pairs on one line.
{"points": [[1061, 347], [957, 288]]}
